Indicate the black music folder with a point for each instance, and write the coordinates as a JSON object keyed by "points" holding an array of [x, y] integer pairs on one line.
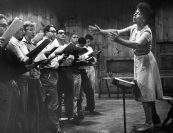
{"points": [[74, 50], [38, 49], [94, 53], [50, 52]]}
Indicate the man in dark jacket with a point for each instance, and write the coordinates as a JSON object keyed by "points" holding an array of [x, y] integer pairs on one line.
{"points": [[9, 94]]}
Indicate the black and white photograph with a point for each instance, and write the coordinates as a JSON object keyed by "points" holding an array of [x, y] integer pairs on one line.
{"points": [[86, 66]]}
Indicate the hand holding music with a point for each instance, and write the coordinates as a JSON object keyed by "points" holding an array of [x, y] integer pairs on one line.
{"points": [[61, 57], [3, 42], [29, 66], [70, 58], [60, 50], [27, 60], [82, 58]]}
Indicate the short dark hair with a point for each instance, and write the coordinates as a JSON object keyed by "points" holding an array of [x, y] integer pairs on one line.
{"points": [[2, 16], [88, 36], [60, 30], [47, 28], [145, 10], [82, 40]]}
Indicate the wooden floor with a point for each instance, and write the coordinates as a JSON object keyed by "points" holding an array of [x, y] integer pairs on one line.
{"points": [[110, 119]]}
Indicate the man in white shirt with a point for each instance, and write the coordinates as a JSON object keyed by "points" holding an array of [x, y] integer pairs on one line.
{"points": [[78, 115], [67, 81], [49, 78], [35, 103], [88, 78]]}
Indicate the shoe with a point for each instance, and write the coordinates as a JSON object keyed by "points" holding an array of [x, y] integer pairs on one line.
{"points": [[56, 128], [157, 122], [156, 119], [87, 108], [158, 125], [81, 115], [75, 120], [94, 113], [145, 127], [137, 125], [59, 130]]}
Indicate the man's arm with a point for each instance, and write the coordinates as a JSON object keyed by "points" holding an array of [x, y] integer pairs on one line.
{"points": [[17, 52]]}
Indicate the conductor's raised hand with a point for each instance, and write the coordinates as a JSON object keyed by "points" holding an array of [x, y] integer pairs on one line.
{"points": [[94, 29], [113, 36]]}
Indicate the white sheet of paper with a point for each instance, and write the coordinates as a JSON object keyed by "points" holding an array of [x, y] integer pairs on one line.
{"points": [[12, 29]]}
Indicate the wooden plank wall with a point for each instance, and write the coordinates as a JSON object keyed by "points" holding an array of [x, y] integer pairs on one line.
{"points": [[38, 13], [111, 50], [164, 35], [164, 23], [109, 14]]}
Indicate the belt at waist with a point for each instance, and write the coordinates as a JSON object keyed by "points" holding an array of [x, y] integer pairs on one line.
{"points": [[47, 69], [140, 54]]}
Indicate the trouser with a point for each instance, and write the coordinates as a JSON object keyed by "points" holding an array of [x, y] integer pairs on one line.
{"points": [[86, 87], [77, 87], [9, 99], [49, 78], [35, 105], [90, 70], [22, 83], [66, 85]]}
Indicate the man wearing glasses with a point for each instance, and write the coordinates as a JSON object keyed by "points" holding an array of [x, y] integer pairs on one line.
{"points": [[49, 79], [61, 37], [66, 82]]}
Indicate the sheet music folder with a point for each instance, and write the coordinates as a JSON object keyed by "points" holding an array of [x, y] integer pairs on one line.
{"points": [[50, 52], [122, 82], [38, 49], [74, 50], [12, 29]]}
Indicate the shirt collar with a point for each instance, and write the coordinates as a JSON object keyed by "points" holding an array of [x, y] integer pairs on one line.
{"points": [[24, 40]]}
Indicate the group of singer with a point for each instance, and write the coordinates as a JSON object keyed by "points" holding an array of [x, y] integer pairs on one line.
{"points": [[32, 89]]}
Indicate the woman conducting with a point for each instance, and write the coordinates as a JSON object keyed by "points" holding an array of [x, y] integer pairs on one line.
{"points": [[146, 72]]}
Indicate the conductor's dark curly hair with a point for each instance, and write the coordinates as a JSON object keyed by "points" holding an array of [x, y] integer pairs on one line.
{"points": [[146, 11]]}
